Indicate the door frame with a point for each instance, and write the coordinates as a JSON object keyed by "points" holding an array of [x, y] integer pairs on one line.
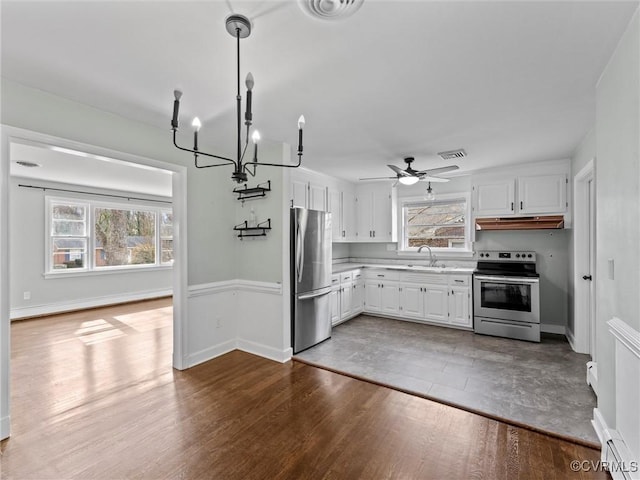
{"points": [[179, 197], [581, 338]]}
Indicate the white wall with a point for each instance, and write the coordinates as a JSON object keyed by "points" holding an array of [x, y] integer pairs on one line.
{"points": [[618, 204], [552, 249], [215, 260], [27, 219]]}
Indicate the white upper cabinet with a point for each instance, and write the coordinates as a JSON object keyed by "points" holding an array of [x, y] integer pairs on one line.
{"points": [[542, 194], [375, 213], [307, 192], [522, 192], [495, 197], [342, 208]]}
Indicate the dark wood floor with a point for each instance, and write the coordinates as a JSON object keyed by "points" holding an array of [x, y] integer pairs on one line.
{"points": [[94, 396]]}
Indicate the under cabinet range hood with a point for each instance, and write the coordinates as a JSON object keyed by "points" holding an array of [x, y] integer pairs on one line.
{"points": [[520, 223]]}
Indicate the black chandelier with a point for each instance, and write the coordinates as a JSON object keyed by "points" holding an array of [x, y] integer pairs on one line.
{"points": [[239, 27]]}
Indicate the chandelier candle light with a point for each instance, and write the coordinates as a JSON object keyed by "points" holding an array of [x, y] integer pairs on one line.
{"points": [[238, 26]]}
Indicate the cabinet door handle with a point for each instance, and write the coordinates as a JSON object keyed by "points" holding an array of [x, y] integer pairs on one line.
{"points": [[374, 234], [520, 204], [343, 234], [459, 281], [512, 206]]}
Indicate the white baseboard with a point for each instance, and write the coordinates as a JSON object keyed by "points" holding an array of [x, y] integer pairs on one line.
{"points": [[68, 306], [210, 353], [265, 351], [592, 376], [599, 425], [556, 329], [5, 423]]}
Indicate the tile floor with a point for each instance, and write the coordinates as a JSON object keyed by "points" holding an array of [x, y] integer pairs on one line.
{"points": [[539, 384]]}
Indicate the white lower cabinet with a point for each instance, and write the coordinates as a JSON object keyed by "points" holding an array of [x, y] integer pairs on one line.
{"points": [[347, 296], [346, 300], [436, 306], [442, 298]]}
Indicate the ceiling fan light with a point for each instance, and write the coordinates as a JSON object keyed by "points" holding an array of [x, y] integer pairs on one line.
{"points": [[409, 180]]}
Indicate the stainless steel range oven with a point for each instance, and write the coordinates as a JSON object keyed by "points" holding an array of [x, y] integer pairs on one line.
{"points": [[506, 295]]}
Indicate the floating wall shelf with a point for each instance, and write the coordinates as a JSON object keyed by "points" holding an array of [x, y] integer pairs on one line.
{"points": [[258, 191], [260, 230]]}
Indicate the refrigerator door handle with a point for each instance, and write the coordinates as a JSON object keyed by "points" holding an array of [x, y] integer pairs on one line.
{"points": [[319, 293], [299, 252]]}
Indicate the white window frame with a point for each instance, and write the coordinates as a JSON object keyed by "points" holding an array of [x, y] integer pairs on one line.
{"points": [[90, 266], [49, 203], [467, 251]]}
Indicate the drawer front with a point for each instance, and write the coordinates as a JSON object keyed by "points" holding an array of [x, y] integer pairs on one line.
{"points": [[460, 280], [382, 274], [335, 279], [433, 279], [345, 277]]}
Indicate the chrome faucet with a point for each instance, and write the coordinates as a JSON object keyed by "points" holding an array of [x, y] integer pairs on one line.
{"points": [[432, 259]]}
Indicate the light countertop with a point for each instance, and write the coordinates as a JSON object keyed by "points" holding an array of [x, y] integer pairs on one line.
{"points": [[345, 267]]}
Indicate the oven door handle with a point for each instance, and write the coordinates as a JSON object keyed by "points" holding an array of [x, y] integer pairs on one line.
{"points": [[499, 278]]}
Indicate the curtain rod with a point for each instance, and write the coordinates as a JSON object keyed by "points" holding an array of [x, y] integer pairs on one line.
{"points": [[44, 189]]}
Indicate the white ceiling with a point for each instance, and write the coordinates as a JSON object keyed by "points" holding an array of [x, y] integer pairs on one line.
{"points": [[510, 82], [73, 167]]}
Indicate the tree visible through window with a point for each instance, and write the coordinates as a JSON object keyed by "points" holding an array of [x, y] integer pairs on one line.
{"points": [[118, 235], [125, 237], [436, 224]]}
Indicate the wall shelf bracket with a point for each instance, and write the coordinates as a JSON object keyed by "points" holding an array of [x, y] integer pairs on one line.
{"points": [[259, 191], [260, 230]]}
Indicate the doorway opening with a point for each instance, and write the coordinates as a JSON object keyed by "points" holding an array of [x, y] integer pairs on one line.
{"points": [[105, 183], [583, 336]]}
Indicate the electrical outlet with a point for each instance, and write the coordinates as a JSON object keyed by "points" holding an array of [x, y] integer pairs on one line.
{"points": [[26, 295]]}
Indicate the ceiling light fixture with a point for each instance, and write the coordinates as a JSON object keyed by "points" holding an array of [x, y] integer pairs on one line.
{"points": [[429, 195], [238, 26], [409, 180], [330, 9]]}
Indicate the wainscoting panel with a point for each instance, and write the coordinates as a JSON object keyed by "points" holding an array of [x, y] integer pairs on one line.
{"points": [[236, 314], [623, 443]]}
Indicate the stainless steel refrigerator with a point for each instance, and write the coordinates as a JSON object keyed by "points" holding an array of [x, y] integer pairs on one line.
{"points": [[310, 277]]}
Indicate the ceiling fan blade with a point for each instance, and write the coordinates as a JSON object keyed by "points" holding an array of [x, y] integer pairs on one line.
{"points": [[398, 170], [437, 171], [379, 178], [430, 178]]}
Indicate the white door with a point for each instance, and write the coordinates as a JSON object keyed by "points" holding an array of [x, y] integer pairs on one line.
{"points": [[334, 300], [335, 207], [542, 194], [495, 198], [459, 306], [372, 296], [390, 298], [592, 267], [299, 193], [346, 301], [358, 297], [435, 303], [411, 300], [381, 216], [317, 197]]}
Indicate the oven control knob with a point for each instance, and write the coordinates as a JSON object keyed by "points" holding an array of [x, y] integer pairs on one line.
{"points": [[529, 255], [482, 255], [518, 255]]}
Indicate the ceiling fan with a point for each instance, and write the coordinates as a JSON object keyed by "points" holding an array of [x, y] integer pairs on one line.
{"points": [[409, 176]]}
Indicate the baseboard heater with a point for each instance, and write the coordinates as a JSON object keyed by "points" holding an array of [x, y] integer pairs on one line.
{"points": [[617, 461], [521, 223]]}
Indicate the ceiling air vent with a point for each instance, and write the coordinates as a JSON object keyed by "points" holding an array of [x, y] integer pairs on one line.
{"points": [[452, 154]]}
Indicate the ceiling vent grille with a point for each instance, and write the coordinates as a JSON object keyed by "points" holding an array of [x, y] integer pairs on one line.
{"points": [[330, 9], [452, 154]]}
